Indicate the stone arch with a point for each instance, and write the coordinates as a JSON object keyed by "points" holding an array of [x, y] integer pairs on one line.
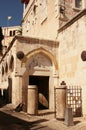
{"points": [[45, 52], [42, 74]]}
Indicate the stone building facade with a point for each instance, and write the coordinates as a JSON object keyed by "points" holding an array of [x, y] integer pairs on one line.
{"points": [[50, 50], [72, 53], [9, 33]]}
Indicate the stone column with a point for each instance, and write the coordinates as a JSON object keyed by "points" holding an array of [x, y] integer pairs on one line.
{"points": [[54, 82], [17, 90], [17, 85], [32, 100], [60, 101]]}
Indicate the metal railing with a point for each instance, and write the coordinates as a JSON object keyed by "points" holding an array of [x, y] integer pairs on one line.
{"points": [[73, 100]]}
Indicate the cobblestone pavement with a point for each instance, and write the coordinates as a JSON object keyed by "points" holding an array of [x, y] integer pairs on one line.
{"points": [[38, 122]]}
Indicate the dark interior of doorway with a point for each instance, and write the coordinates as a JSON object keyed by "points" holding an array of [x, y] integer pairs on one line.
{"points": [[42, 83], [6, 95]]}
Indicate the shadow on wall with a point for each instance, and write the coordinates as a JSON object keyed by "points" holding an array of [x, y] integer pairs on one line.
{"points": [[79, 112], [4, 97]]}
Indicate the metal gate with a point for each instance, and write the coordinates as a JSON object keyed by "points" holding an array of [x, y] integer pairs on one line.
{"points": [[74, 99]]}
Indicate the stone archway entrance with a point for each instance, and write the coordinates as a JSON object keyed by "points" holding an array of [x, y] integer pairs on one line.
{"points": [[41, 71], [42, 83]]}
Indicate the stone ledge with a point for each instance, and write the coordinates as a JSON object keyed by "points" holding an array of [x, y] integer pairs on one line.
{"points": [[35, 40]]}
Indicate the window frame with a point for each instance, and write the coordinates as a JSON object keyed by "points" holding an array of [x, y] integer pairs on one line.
{"points": [[75, 6]]}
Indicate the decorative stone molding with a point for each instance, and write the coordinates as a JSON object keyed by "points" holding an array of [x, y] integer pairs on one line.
{"points": [[41, 50]]}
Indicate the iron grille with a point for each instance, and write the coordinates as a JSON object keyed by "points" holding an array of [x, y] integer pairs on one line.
{"points": [[74, 99]]}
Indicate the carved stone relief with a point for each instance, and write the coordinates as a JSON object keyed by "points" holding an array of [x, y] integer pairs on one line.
{"points": [[38, 61]]}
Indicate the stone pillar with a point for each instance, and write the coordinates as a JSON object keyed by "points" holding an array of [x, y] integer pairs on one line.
{"points": [[32, 100], [69, 117], [17, 90], [54, 83], [60, 102], [56, 79]]}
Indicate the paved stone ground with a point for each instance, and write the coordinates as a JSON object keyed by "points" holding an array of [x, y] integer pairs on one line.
{"points": [[19, 121], [41, 122]]}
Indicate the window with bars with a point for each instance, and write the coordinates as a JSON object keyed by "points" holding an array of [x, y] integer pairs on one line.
{"points": [[74, 99], [77, 4]]}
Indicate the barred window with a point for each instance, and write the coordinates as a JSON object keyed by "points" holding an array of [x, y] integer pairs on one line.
{"points": [[78, 3]]}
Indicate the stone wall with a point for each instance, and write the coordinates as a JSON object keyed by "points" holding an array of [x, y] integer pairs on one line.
{"points": [[32, 21], [39, 60], [69, 10], [56, 13], [72, 69]]}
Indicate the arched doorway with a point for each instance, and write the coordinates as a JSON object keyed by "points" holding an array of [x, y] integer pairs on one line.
{"points": [[42, 83], [40, 68]]}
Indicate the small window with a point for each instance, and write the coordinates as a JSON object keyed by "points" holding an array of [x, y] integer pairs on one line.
{"points": [[77, 4], [11, 65], [6, 68], [10, 33], [35, 9], [2, 70]]}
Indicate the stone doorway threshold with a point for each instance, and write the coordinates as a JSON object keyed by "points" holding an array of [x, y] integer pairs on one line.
{"points": [[48, 114]]}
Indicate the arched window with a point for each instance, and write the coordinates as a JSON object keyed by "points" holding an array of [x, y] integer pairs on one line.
{"points": [[6, 68], [2, 70], [10, 33], [11, 66], [77, 3]]}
